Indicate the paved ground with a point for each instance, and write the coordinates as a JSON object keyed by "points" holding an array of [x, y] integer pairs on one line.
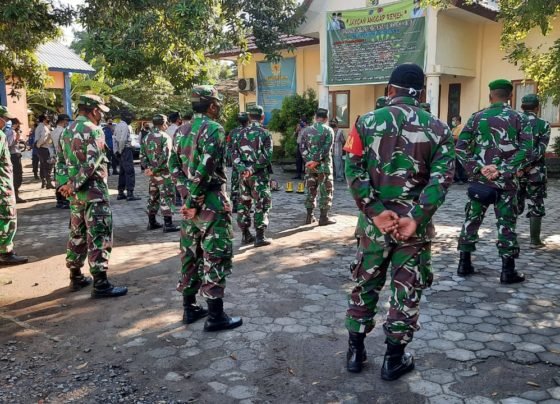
{"points": [[480, 342]]}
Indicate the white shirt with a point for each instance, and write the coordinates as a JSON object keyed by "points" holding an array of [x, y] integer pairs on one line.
{"points": [[43, 135], [172, 129], [55, 136], [121, 136]]}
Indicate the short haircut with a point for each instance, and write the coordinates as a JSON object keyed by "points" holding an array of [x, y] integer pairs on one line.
{"points": [[458, 117], [201, 107], [256, 117], [84, 108], [42, 118], [501, 93], [531, 106], [188, 115], [173, 117]]}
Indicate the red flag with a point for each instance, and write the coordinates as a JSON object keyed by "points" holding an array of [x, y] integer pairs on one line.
{"points": [[354, 143]]}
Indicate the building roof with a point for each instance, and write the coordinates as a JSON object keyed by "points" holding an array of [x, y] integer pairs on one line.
{"points": [[287, 40], [60, 58], [485, 8]]}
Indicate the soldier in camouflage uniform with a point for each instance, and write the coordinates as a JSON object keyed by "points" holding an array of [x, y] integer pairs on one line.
{"points": [[399, 167], [82, 173], [533, 180], [233, 138], [316, 150], [8, 219], [252, 157], [197, 164], [154, 150], [494, 144]]}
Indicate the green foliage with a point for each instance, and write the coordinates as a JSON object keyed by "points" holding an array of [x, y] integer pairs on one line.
{"points": [[556, 146], [285, 119], [24, 25], [171, 38], [229, 117], [519, 18]]}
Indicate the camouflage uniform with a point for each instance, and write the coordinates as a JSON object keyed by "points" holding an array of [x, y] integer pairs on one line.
{"points": [[83, 164], [532, 184], [8, 221], [253, 152], [501, 136], [401, 158], [234, 188], [197, 165], [316, 145], [155, 149]]}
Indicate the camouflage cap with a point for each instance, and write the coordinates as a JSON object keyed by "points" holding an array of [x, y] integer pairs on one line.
{"points": [[159, 119], [256, 110], [4, 113], [500, 84], [530, 99], [91, 100], [380, 102], [205, 93]]}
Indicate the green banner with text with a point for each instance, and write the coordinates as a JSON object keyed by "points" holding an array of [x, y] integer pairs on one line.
{"points": [[364, 46]]}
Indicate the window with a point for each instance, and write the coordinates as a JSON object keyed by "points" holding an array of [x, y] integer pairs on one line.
{"points": [[339, 107], [548, 112]]}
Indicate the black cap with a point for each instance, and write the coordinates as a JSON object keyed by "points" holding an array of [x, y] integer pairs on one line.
{"points": [[173, 117], [62, 117], [408, 75], [322, 113]]}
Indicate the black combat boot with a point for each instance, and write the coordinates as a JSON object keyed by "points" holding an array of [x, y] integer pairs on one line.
{"points": [[356, 355], [11, 258], [465, 267], [18, 199], [217, 319], [50, 184], [78, 280], [121, 196], [43, 183], [396, 362], [130, 196], [153, 224], [324, 219], [261, 240], [168, 226], [192, 311], [103, 288], [310, 217], [247, 238], [535, 232], [234, 203], [509, 274]]}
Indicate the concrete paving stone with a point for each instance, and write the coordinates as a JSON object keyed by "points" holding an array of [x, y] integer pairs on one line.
{"points": [[445, 399], [218, 387], [453, 335], [546, 331], [506, 337], [522, 357], [536, 339], [500, 346], [223, 364], [479, 336], [173, 377], [477, 313], [529, 347], [554, 393], [470, 345], [461, 327], [294, 329], [552, 401], [442, 344], [425, 388], [485, 327], [435, 326], [549, 357], [255, 335], [535, 395], [470, 320], [478, 400], [285, 321], [460, 354], [162, 352], [516, 400], [438, 376], [515, 329], [493, 320]]}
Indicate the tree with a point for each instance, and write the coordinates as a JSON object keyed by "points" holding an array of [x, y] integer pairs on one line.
{"points": [[171, 38], [519, 18], [24, 25]]}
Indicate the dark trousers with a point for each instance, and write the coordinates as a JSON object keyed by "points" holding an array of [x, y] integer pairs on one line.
{"points": [[35, 163], [460, 174], [44, 166], [113, 161], [299, 162], [18, 170], [127, 180]]}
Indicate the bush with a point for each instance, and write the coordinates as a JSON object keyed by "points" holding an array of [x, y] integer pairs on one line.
{"points": [[556, 146], [285, 119]]}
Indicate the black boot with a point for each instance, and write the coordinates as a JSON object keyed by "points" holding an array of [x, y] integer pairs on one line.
{"points": [[50, 184], [310, 217], [121, 196], [396, 362], [18, 199], [11, 258], [356, 355], [103, 288], [535, 232], [153, 224], [217, 319], [43, 183], [168, 226], [130, 196], [192, 311], [509, 274], [324, 219], [247, 238], [465, 267], [78, 280], [261, 240], [234, 203]]}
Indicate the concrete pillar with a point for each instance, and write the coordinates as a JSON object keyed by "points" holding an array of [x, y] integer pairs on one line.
{"points": [[67, 95], [432, 92], [323, 96], [433, 70]]}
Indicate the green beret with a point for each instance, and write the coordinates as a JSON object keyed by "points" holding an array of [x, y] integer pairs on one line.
{"points": [[530, 99], [93, 101], [4, 113], [159, 119], [380, 102], [205, 93], [500, 84], [256, 110]]}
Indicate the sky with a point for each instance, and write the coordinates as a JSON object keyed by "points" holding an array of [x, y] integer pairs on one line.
{"points": [[68, 31]]}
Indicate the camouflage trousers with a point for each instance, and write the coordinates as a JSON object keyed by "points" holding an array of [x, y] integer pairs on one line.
{"points": [[8, 227], [234, 188], [535, 192], [161, 195], [410, 273], [91, 236], [323, 183], [255, 188], [206, 254], [506, 215]]}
